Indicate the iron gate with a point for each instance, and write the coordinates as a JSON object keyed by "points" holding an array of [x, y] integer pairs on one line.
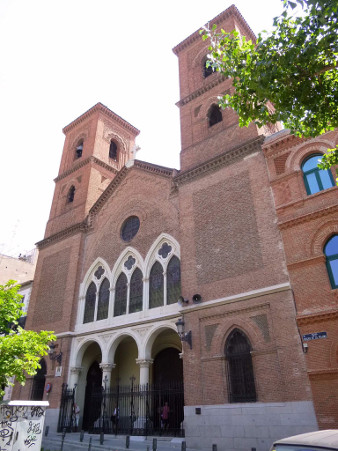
{"points": [[66, 409], [129, 410]]}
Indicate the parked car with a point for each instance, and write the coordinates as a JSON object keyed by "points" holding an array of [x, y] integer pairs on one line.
{"points": [[311, 441]]}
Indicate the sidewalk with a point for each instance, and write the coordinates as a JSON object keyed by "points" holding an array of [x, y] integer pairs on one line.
{"points": [[53, 442]]}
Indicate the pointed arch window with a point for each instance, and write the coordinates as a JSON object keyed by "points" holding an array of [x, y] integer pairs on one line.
{"points": [[39, 381], [136, 292], [316, 179], [79, 149], [241, 383], [120, 306], [156, 285], [90, 304], [173, 280], [71, 194], [113, 150], [103, 302], [214, 115], [331, 253]]}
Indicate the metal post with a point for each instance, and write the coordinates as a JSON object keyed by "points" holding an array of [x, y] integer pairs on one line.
{"points": [[101, 438], [214, 447], [63, 438], [154, 444], [183, 446], [46, 431], [90, 444], [81, 435], [127, 441]]}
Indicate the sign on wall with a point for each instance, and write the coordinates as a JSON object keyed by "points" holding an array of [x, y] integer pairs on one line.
{"points": [[314, 336]]}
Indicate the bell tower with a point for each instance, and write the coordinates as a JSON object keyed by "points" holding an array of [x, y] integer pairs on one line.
{"points": [[97, 145], [207, 131]]}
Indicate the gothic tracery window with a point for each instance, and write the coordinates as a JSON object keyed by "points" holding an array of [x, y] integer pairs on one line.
{"points": [[136, 292], [120, 306], [241, 383], [173, 280], [103, 302], [90, 303], [156, 286]]}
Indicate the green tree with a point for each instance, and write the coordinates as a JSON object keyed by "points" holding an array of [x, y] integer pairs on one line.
{"points": [[20, 349], [289, 75]]}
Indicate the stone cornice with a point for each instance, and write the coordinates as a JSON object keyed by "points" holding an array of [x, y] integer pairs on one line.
{"points": [[80, 227], [225, 159], [218, 80], [231, 11], [83, 163], [308, 217], [317, 317], [100, 108]]}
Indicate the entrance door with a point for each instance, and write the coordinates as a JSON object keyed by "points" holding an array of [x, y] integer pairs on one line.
{"points": [[93, 398], [168, 380]]}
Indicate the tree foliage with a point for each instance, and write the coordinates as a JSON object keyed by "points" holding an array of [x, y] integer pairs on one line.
{"points": [[20, 349], [289, 75]]}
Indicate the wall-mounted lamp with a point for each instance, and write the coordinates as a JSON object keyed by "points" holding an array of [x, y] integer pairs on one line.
{"points": [[305, 347], [53, 355], [181, 301], [184, 336]]}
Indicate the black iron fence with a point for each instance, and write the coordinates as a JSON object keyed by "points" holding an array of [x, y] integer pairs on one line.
{"points": [[130, 410], [66, 417]]}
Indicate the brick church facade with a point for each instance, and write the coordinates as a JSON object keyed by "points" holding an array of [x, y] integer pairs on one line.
{"points": [[244, 235]]}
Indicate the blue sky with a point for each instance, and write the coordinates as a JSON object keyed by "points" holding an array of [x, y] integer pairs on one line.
{"points": [[59, 58]]}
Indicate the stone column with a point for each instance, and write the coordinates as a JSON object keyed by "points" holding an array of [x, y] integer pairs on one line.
{"points": [[74, 376], [144, 370], [106, 373]]}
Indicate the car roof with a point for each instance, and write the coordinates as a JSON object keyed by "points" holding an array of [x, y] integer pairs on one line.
{"points": [[325, 439]]}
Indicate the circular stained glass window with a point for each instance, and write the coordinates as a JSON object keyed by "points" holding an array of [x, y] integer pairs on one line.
{"points": [[130, 228]]}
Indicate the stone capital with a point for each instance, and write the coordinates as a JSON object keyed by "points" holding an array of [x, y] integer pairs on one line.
{"points": [[76, 370], [144, 363], [107, 366]]}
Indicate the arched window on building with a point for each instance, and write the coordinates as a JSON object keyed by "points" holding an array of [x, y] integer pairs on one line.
{"points": [[214, 115], [316, 179], [120, 305], [90, 303], [136, 292], [103, 302], [173, 280], [39, 381], [79, 149], [71, 194], [241, 383], [156, 284], [331, 253], [113, 150], [207, 69]]}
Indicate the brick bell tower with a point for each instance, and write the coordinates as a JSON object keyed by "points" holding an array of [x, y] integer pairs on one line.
{"points": [[97, 145], [203, 125]]}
